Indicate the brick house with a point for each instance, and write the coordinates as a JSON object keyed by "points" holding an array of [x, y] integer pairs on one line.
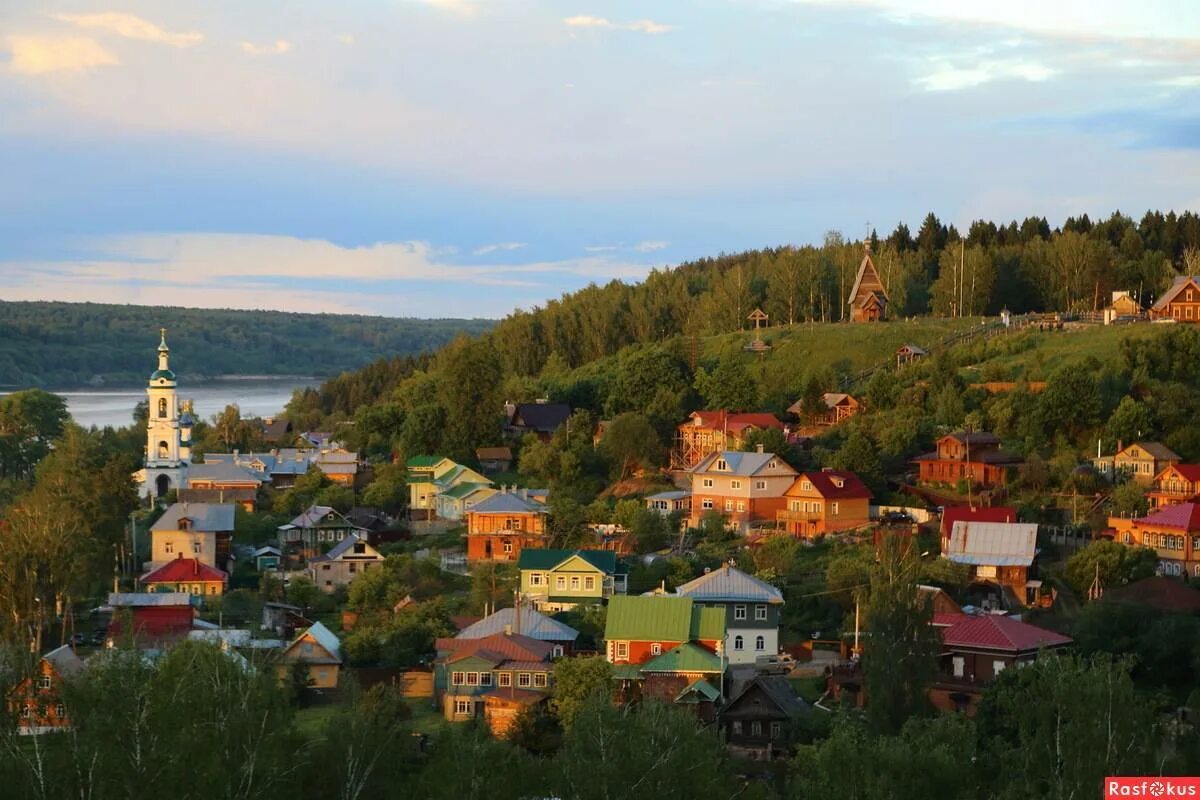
{"points": [[744, 487], [823, 502]]}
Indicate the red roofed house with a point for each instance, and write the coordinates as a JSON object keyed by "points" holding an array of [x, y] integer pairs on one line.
{"points": [[1178, 483], [977, 648], [974, 457], [708, 432], [953, 514], [824, 502], [190, 575], [1174, 533], [496, 676], [150, 620]]}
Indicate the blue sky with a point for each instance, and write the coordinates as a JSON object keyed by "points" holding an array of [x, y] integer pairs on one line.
{"points": [[467, 157]]}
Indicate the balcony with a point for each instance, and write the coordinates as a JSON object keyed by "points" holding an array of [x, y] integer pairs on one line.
{"points": [[799, 516]]}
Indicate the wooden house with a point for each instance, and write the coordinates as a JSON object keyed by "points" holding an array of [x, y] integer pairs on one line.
{"points": [[825, 502], [973, 457], [953, 514], [1178, 483], [1123, 305], [868, 298], [38, 701], [503, 525], [708, 432], [1172, 531], [559, 580], [149, 620], [758, 722], [314, 531], [1181, 302], [669, 502], [1141, 461], [525, 621], [744, 487], [317, 654], [1000, 554], [541, 418], [507, 665], [347, 560], [494, 459], [838, 406], [190, 575]]}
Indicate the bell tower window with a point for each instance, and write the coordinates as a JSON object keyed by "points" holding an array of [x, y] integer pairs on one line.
{"points": [[162, 408], [163, 450]]}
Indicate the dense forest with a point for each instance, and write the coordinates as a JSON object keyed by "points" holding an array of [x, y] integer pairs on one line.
{"points": [[66, 345]]}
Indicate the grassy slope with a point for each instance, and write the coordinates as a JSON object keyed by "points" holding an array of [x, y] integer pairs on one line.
{"points": [[1054, 349]]}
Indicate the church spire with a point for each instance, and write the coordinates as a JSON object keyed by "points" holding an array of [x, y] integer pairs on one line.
{"points": [[164, 352]]}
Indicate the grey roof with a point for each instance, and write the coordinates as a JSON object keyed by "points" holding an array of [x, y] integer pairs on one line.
{"points": [[532, 624], [743, 464], [677, 494], [221, 471], [508, 503], [325, 638], [778, 691], [64, 661], [998, 544], [205, 517], [542, 417], [339, 550], [268, 550], [1157, 449], [313, 515], [138, 599], [728, 583]]}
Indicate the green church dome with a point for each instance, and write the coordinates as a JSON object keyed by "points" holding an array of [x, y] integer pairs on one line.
{"points": [[162, 373]]}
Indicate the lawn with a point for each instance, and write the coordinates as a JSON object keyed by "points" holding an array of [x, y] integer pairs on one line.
{"points": [[425, 718]]}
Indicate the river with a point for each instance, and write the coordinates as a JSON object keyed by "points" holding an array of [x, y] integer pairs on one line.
{"points": [[257, 397]]}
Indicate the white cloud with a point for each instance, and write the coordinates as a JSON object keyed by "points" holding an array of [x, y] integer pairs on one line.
{"points": [[462, 7], [277, 49], [650, 246], [947, 78], [36, 55], [602, 248], [648, 26], [130, 27], [346, 38], [492, 248], [1182, 81]]}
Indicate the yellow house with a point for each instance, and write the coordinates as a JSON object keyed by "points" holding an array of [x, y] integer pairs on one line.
{"points": [[429, 477], [193, 530], [188, 575], [1140, 460], [320, 654], [558, 580]]}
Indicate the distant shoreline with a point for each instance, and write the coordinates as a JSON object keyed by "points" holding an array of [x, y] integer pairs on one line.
{"points": [[189, 381]]}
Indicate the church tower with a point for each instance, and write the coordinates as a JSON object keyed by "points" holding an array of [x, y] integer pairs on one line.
{"points": [[167, 433]]}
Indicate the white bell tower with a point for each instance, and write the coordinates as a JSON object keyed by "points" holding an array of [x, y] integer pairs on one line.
{"points": [[166, 457]]}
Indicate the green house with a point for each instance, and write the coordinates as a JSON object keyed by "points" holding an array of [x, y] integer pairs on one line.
{"points": [[559, 580]]}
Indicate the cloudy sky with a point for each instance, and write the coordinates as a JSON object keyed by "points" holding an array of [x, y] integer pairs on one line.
{"points": [[465, 157]]}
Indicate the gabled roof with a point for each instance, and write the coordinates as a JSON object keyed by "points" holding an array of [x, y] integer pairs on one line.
{"points": [[223, 471], [1165, 594], [496, 648], [777, 691], [1157, 450], [867, 283], [541, 417], [465, 490], [662, 619], [424, 462], [742, 464], [674, 494], [314, 515], [686, 657], [953, 514], [1181, 281], [185, 569], [545, 559], [974, 438], [143, 599], [826, 483], [834, 399], [1180, 516], [1189, 472], [205, 517], [996, 632], [508, 503], [528, 622], [324, 637], [912, 349], [346, 547], [998, 544], [697, 691], [734, 422], [493, 453], [64, 661], [729, 584]]}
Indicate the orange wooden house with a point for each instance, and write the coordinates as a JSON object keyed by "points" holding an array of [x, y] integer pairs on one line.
{"points": [[499, 527], [868, 299], [708, 432], [824, 502], [974, 457], [1178, 483], [1173, 532], [38, 698], [1181, 302]]}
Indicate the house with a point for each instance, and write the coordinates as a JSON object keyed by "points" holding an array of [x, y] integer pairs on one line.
{"points": [[429, 476], [1181, 302], [559, 580], [758, 722], [38, 698], [745, 487], [999, 554], [752, 609], [708, 432], [1123, 305], [347, 560], [455, 501], [277, 431], [501, 526], [282, 466], [909, 353], [314, 531], [669, 502], [246, 498], [1172, 531], [198, 530], [839, 407], [1141, 461], [978, 647], [267, 558], [1177, 483], [527, 622], [494, 459], [973, 457], [189, 575], [221, 475], [541, 418], [469, 671], [825, 502], [868, 298], [283, 619], [148, 620], [315, 654], [953, 514]]}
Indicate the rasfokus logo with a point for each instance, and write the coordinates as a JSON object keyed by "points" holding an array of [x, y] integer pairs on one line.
{"points": [[1151, 787]]}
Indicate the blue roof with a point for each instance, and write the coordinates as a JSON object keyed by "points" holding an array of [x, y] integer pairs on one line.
{"points": [[726, 584], [508, 503]]}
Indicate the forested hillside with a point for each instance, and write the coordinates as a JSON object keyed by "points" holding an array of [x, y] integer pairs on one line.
{"points": [[64, 345]]}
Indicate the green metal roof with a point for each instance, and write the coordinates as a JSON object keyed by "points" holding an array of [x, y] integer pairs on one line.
{"points": [[463, 490], [687, 657], [423, 461], [603, 560], [708, 623], [649, 619], [162, 373], [698, 691]]}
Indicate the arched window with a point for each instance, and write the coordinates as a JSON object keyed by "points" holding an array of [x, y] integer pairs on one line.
{"points": [[760, 643], [162, 408], [738, 644], [163, 450]]}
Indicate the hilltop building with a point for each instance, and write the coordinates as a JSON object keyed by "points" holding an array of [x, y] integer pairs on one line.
{"points": [[868, 299], [168, 431]]}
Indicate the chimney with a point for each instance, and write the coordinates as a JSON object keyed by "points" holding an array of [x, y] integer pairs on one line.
{"points": [[1120, 445], [508, 630], [759, 448], [524, 494]]}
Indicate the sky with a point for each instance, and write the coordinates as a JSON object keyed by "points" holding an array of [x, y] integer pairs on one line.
{"points": [[463, 158]]}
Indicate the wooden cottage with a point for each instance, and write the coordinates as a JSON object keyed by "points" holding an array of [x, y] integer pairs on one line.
{"points": [[1181, 302], [868, 299]]}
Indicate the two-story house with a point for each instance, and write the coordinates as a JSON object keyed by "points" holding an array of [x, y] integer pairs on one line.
{"points": [[440, 487], [527, 622], [1173, 532], [1141, 461], [759, 721], [708, 432], [190, 575], [825, 502], [953, 514], [316, 653], [314, 531], [752, 609], [973, 457], [541, 418], [503, 525], [347, 560], [559, 580], [998, 553], [38, 699], [744, 487], [203, 531], [467, 672], [1178, 483], [220, 482], [1181, 302]]}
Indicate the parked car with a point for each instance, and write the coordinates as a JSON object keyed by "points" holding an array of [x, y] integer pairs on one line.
{"points": [[896, 518], [780, 664]]}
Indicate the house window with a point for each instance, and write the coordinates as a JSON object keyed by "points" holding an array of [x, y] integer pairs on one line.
{"points": [[816, 507], [998, 667], [523, 679], [589, 583], [739, 643], [760, 612], [196, 548], [756, 728], [556, 651], [485, 679], [472, 679], [656, 649], [456, 679], [776, 730], [27, 711], [504, 679], [325, 568], [722, 465], [162, 450], [1128, 538], [739, 612], [169, 547], [44, 682], [806, 486], [833, 509], [796, 505], [539, 680], [760, 643], [353, 568], [320, 536], [729, 505], [535, 579], [574, 583], [706, 503], [508, 545], [706, 483], [735, 484], [60, 710], [737, 728], [760, 484], [560, 582], [960, 664], [462, 706], [622, 649], [741, 505]]}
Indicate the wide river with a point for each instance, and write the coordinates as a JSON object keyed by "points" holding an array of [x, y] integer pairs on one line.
{"points": [[257, 397]]}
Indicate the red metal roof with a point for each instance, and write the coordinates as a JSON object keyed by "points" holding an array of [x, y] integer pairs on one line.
{"points": [[994, 632], [1181, 516], [723, 420], [953, 514], [497, 647], [825, 482], [1189, 472], [185, 569], [154, 623]]}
